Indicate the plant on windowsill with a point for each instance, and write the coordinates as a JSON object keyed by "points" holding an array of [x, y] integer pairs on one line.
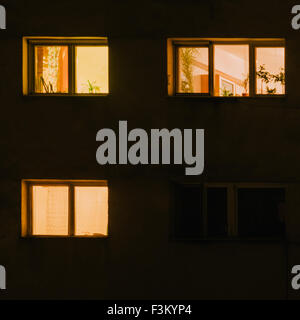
{"points": [[187, 57], [265, 77], [92, 87], [47, 87], [280, 77], [271, 90], [226, 93], [245, 86]]}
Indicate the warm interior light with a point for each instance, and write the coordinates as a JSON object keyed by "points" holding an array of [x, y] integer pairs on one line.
{"points": [[91, 210], [50, 210], [51, 69], [270, 71], [231, 70], [193, 70], [91, 69]]}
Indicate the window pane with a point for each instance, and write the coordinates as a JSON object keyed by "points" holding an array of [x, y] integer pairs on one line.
{"points": [[217, 212], [260, 211], [51, 69], [50, 210], [92, 69], [231, 70], [270, 71], [188, 219], [193, 70], [91, 210]]}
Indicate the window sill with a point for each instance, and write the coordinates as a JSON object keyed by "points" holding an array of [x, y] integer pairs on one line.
{"points": [[234, 98], [231, 240], [64, 237], [82, 95]]}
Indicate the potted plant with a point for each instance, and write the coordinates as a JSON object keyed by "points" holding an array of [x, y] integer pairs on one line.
{"points": [[187, 57], [280, 77], [271, 90], [265, 77], [245, 86], [226, 93], [92, 87]]}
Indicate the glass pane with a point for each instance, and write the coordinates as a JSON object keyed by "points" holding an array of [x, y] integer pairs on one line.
{"points": [[92, 69], [91, 210], [51, 69], [188, 218], [193, 70], [231, 70], [50, 210], [217, 212], [270, 71], [260, 211]]}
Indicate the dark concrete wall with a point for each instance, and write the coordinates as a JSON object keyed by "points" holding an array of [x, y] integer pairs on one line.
{"points": [[54, 137]]}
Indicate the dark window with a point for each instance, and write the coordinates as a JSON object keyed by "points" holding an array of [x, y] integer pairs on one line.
{"points": [[229, 210], [188, 211], [259, 211], [217, 212]]}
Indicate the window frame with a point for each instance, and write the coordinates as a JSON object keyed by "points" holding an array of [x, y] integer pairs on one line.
{"points": [[26, 210], [269, 44], [71, 43], [232, 210], [173, 44]]}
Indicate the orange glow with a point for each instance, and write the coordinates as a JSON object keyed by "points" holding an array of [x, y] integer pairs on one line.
{"points": [[91, 69], [50, 210], [51, 69], [91, 210], [231, 70], [193, 70], [270, 68]]}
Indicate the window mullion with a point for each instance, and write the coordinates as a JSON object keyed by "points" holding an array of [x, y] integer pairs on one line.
{"points": [[71, 210], [30, 210], [71, 69], [252, 70], [175, 69], [231, 212], [31, 68], [211, 69], [204, 209]]}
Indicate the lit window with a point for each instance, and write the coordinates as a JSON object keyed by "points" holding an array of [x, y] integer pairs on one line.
{"points": [[231, 70], [64, 208], [51, 69], [91, 69], [91, 210], [229, 210], [270, 71], [50, 210], [65, 66], [193, 70], [226, 67]]}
